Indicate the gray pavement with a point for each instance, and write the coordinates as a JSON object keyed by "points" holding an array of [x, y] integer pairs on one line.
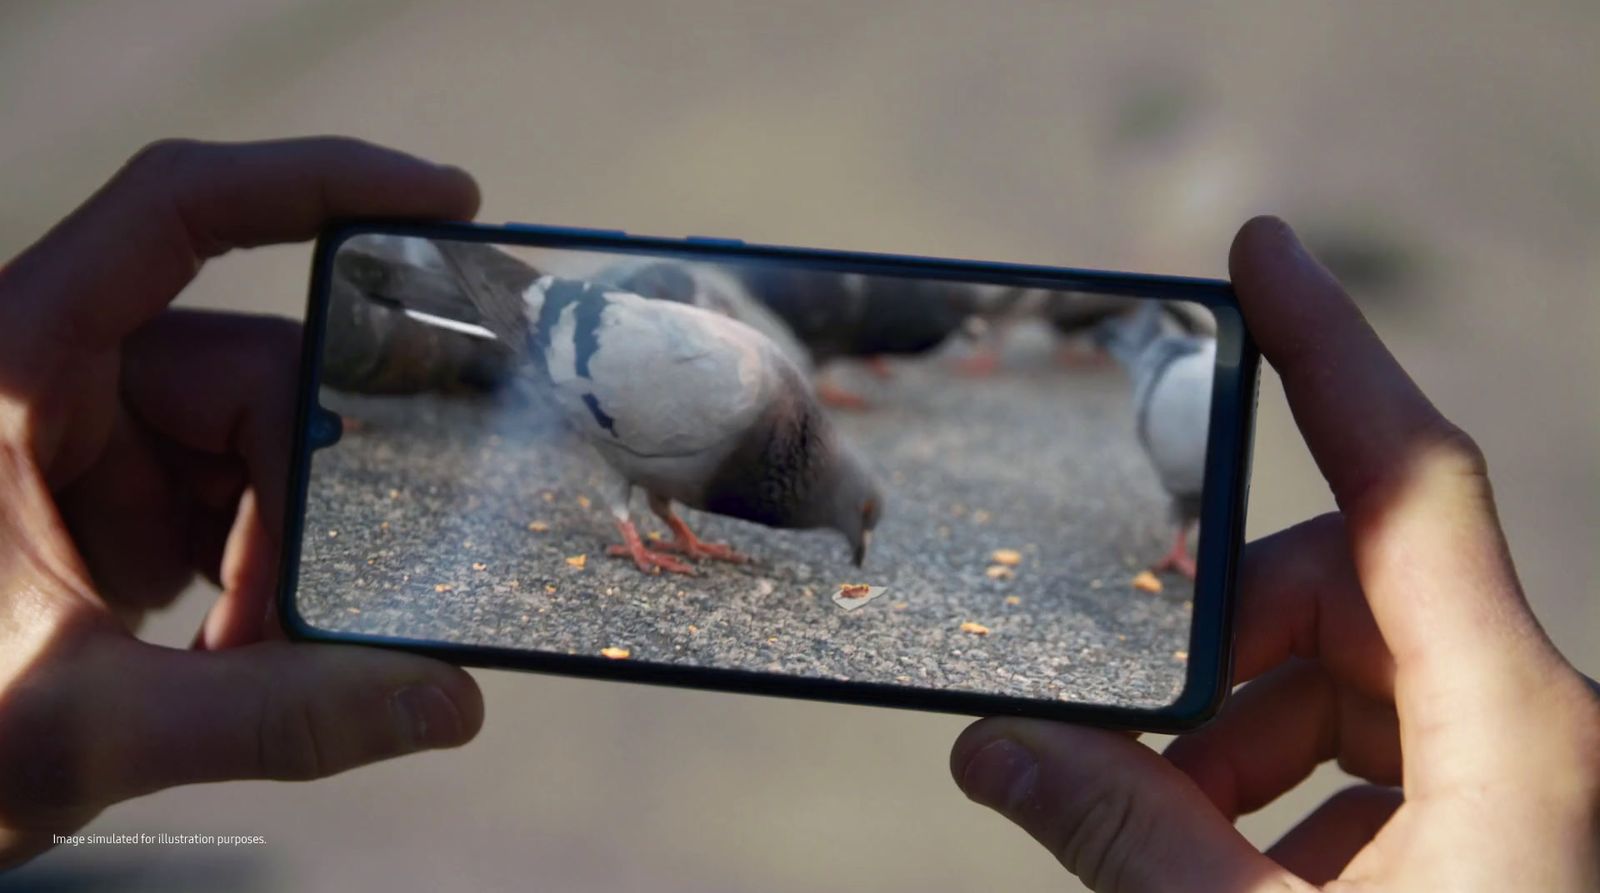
{"points": [[419, 525]]}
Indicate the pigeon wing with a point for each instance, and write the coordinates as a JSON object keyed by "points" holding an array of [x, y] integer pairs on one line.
{"points": [[655, 378]]}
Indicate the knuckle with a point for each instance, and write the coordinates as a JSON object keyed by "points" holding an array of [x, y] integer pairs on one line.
{"points": [[1459, 452], [288, 744], [280, 342], [1103, 834], [1447, 448], [159, 159], [271, 365], [270, 352], [1328, 528]]}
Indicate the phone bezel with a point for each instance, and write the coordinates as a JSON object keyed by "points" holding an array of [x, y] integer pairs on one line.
{"points": [[1209, 666]]}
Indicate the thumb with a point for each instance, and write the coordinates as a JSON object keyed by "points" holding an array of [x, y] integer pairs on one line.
{"points": [[1112, 811], [270, 710]]}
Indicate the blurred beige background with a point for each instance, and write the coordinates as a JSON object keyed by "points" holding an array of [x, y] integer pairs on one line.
{"points": [[1446, 159]]}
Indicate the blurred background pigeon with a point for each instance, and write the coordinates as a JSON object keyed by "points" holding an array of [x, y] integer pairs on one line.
{"points": [[384, 333], [849, 315], [1072, 318], [1171, 371]]}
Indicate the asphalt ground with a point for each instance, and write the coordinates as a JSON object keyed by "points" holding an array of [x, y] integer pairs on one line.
{"points": [[453, 518]]}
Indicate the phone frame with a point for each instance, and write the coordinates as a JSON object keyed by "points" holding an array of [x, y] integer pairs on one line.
{"points": [[1228, 453]]}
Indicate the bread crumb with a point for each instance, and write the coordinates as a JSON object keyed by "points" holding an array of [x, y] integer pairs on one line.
{"points": [[578, 561], [479, 566], [615, 653], [442, 587], [1013, 600], [538, 526], [999, 572], [1147, 582], [1007, 557], [976, 629], [583, 502]]}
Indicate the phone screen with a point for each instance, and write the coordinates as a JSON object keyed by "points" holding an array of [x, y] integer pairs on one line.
{"points": [[742, 464]]}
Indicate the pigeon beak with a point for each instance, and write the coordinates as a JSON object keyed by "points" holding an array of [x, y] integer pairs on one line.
{"points": [[860, 556]]}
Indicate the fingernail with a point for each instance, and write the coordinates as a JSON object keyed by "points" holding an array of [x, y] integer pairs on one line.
{"points": [[1001, 775], [428, 717]]}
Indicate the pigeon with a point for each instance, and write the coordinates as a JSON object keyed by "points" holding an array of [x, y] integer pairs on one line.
{"points": [[688, 405], [1070, 315], [839, 315], [379, 336], [1171, 371]]}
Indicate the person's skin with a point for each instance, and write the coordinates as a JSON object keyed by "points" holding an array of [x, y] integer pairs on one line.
{"points": [[1391, 636], [140, 446]]}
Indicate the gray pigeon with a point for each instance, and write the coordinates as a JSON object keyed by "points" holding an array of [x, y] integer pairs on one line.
{"points": [[839, 315], [1171, 371], [1070, 314], [686, 404], [380, 337]]}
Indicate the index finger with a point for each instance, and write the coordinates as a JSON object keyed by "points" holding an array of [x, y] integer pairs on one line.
{"points": [[1359, 410], [122, 256], [1424, 538]]}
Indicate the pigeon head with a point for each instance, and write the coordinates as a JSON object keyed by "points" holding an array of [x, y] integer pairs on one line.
{"points": [[1126, 335], [792, 470], [853, 504]]}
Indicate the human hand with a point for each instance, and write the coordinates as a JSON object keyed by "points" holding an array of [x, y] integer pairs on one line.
{"points": [[1392, 636], [141, 445]]}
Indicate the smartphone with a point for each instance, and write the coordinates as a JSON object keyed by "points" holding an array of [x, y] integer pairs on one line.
{"points": [[948, 485]]}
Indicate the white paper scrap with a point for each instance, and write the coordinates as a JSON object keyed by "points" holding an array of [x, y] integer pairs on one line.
{"points": [[850, 604]]}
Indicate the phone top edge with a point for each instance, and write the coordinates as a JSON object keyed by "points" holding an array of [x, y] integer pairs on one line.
{"points": [[1202, 290]]}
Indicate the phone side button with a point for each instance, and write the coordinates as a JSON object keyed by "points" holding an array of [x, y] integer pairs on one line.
{"points": [[715, 240]]}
